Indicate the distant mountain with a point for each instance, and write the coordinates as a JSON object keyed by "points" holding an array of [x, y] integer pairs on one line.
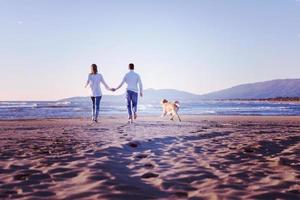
{"points": [[259, 90]]}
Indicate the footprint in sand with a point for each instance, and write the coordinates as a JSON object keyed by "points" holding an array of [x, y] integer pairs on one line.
{"points": [[133, 144], [198, 150], [59, 170], [120, 130], [21, 177], [7, 194], [41, 177], [141, 156], [197, 131], [148, 165], [149, 175], [67, 175], [181, 194]]}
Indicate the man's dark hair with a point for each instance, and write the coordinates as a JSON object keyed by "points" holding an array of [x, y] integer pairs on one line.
{"points": [[131, 66]]}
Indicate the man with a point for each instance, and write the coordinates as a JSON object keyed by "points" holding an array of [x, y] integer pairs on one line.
{"points": [[134, 86]]}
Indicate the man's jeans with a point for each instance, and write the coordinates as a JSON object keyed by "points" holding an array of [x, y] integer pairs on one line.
{"points": [[132, 98]]}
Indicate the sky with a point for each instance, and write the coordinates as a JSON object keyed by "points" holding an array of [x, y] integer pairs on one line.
{"points": [[199, 46]]}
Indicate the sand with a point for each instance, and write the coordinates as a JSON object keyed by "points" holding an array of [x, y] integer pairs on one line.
{"points": [[203, 157]]}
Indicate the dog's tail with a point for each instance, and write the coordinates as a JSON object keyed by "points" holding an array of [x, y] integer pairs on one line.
{"points": [[177, 103]]}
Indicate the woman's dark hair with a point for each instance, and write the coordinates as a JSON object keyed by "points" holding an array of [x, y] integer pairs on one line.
{"points": [[131, 66], [94, 69]]}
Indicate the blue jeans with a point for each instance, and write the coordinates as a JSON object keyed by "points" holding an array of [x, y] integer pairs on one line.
{"points": [[132, 99], [96, 106]]}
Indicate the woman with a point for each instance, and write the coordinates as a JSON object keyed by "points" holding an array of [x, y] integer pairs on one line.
{"points": [[94, 80]]}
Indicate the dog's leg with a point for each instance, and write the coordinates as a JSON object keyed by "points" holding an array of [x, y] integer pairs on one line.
{"points": [[172, 116], [163, 114], [178, 116]]}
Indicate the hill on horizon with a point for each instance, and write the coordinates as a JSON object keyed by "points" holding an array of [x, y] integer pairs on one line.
{"points": [[259, 90]]}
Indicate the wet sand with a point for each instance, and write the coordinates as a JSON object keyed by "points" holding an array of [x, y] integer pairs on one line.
{"points": [[203, 157]]}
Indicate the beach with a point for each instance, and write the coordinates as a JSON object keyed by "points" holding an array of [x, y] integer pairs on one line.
{"points": [[203, 157]]}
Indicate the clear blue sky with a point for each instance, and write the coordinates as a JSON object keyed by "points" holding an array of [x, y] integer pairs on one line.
{"points": [[47, 46]]}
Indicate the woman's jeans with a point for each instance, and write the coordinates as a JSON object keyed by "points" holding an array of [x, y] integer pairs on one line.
{"points": [[132, 98], [96, 106]]}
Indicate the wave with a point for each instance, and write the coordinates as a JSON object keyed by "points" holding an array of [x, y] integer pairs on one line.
{"points": [[17, 105], [17, 110], [58, 104]]}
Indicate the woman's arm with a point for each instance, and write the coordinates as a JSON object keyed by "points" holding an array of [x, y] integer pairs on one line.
{"points": [[105, 85], [88, 81]]}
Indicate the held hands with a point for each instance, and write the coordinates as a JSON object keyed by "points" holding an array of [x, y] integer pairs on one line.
{"points": [[113, 89], [141, 94]]}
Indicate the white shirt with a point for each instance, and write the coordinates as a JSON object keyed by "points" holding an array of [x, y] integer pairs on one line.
{"points": [[94, 81], [133, 81]]}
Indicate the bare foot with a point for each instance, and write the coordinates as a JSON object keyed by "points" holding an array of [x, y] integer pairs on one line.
{"points": [[130, 120]]}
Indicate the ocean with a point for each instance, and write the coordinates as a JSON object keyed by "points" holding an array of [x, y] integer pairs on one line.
{"points": [[64, 109]]}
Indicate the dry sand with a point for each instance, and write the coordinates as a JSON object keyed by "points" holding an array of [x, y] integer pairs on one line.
{"points": [[201, 158]]}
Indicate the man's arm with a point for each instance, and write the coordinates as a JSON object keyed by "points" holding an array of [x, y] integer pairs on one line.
{"points": [[140, 86], [123, 81]]}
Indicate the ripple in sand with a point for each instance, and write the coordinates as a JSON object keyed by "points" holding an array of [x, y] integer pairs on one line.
{"points": [[43, 194], [275, 195]]}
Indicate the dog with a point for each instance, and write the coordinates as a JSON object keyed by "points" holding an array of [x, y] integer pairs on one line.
{"points": [[170, 108]]}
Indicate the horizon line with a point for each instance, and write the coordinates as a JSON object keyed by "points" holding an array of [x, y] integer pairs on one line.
{"points": [[160, 89]]}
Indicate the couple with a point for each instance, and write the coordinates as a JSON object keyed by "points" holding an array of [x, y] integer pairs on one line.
{"points": [[134, 85]]}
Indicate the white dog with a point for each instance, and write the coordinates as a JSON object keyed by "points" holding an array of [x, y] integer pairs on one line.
{"points": [[170, 108]]}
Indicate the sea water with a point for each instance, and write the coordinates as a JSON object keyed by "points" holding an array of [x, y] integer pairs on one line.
{"points": [[66, 109]]}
